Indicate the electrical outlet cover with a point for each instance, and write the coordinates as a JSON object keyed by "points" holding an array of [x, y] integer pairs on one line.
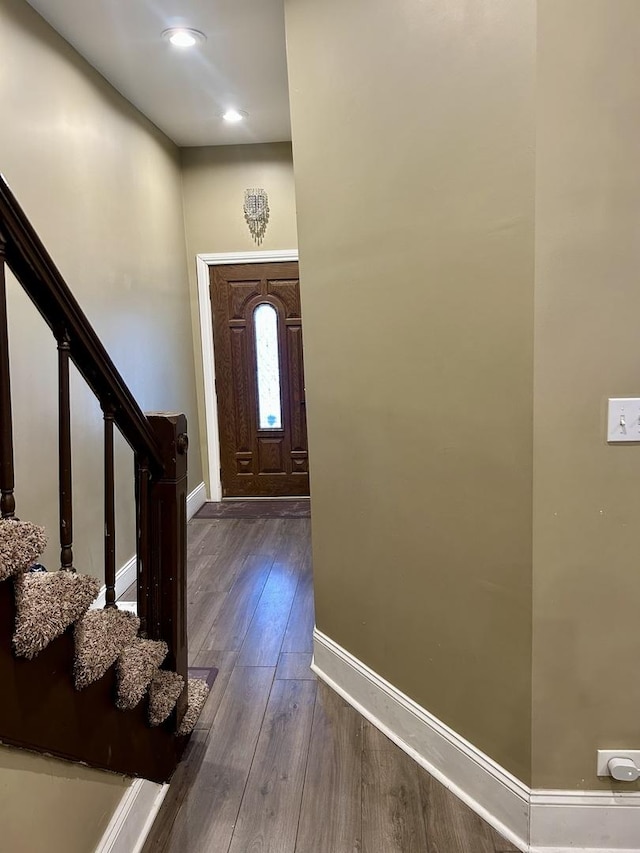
{"points": [[604, 756]]}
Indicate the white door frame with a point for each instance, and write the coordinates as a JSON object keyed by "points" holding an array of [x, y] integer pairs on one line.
{"points": [[203, 262]]}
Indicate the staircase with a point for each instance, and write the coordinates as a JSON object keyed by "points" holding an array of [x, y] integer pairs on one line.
{"points": [[105, 687]]}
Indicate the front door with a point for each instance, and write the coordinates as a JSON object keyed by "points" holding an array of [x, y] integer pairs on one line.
{"points": [[257, 336]]}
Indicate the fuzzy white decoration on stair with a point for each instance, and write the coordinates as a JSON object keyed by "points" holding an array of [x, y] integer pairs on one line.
{"points": [[100, 637], [46, 604], [137, 665], [164, 692], [198, 695], [21, 543]]}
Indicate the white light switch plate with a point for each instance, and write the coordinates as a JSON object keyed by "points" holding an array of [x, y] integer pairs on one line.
{"points": [[624, 419]]}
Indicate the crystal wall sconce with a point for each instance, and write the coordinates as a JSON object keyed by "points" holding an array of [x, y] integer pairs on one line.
{"points": [[256, 212]]}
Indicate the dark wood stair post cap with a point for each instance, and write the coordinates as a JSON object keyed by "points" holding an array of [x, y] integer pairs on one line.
{"points": [[170, 430]]}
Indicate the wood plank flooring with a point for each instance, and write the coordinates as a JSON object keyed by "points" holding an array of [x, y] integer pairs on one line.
{"points": [[279, 763]]}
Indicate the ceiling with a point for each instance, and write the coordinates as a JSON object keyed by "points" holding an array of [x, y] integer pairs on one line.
{"points": [[242, 64]]}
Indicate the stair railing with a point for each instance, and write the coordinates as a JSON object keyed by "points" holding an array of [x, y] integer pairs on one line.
{"points": [[159, 442]]}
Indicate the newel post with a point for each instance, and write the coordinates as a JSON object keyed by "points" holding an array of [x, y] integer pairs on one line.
{"points": [[167, 618]]}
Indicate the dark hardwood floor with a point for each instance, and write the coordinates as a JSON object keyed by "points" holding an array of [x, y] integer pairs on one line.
{"points": [[279, 763]]}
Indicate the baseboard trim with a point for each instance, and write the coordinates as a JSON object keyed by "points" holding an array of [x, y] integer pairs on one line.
{"points": [[535, 821], [133, 818], [125, 576], [490, 790], [563, 821], [195, 500]]}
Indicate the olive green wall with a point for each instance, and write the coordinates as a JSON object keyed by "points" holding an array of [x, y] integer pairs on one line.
{"points": [[587, 502], [103, 188], [50, 806], [214, 181], [413, 143]]}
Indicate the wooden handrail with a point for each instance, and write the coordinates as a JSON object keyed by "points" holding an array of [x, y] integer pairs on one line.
{"points": [[40, 278]]}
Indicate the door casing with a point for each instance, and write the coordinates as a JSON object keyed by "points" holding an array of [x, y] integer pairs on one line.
{"points": [[203, 262]]}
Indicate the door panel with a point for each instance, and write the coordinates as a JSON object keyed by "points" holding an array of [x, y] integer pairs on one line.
{"points": [[259, 461], [239, 374], [296, 390]]}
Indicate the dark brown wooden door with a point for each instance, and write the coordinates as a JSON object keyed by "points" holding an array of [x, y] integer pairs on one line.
{"points": [[257, 335]]}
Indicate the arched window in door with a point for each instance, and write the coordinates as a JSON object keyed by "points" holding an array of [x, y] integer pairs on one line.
{"points": [[265, 320]]}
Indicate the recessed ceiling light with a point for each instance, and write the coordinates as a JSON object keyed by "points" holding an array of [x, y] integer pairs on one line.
{"points": [[232, 115], [183, 36]]}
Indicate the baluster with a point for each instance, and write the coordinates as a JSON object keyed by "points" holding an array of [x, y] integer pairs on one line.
{"points": [[64, 456], [7, 500], [142, 523], [109, 512]]}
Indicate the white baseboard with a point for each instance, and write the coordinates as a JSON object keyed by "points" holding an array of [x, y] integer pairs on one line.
{"points": [[535, 821], [490, 790], [128, 573], [133, 818], [125, 576], [563, 821], [196, 499]]}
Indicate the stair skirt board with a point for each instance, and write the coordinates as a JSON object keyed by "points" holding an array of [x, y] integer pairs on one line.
{"points": [[128, 573], [45, 713], [535, 821], [133, 818]]}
